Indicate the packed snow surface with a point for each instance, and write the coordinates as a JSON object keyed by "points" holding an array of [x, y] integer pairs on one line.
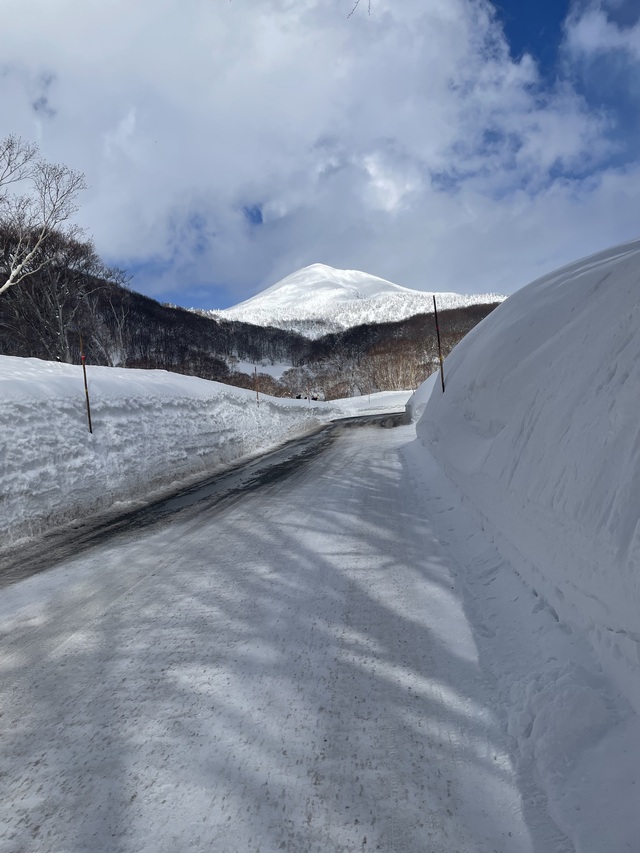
{"points": [[292, 672], [319, 299], [539, 428]]}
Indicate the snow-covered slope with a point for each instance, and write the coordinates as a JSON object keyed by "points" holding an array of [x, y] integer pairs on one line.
{"points": [[319, 299], [539, 427]]}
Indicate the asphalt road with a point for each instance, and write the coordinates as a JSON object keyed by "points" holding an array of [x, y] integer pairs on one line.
{"points": [[69, 540]]}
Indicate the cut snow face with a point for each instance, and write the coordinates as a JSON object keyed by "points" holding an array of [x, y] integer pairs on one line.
{"points": [[319, 299], [539, 428], [150, 428]]}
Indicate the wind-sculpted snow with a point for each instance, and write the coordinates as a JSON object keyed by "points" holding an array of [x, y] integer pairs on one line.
{"points": [[318, 299], [150, 428], [539, 427]]}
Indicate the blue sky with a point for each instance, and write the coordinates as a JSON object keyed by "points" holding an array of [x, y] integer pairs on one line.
{"points": [[535, 27], [442, 144]]}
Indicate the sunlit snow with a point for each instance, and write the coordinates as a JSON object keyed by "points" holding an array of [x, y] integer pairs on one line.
{"points": [[319, 299]]}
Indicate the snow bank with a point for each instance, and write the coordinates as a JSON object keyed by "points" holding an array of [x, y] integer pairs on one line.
{"points": [[539, 428], [374, 404], [416, 404], [150, 428], [575, 734]]}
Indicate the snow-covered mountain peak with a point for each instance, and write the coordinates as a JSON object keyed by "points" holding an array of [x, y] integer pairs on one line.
{"points": [[318, 299], [318, 284]]}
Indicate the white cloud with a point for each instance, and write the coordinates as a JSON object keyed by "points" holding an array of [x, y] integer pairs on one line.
{"points": [[407, 143], [591, 31]]}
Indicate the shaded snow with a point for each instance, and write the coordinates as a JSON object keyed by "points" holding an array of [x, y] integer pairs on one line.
{"points": [[294, 671], [574, 734], [539, 426], [539, 431]]}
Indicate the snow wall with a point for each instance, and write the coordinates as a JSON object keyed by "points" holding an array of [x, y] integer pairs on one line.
{"points": [[539, 427], [150, 428]]}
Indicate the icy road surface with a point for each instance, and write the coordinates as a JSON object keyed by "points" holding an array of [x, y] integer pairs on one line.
{"points": [[290, 671]]}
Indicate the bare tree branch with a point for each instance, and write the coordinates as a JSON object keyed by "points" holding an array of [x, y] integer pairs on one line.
{"points": [[17, 159], [31, 219], [357, 3]]}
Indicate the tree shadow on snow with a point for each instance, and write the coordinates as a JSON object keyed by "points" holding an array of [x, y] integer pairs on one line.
{"points": [[293, 673]]}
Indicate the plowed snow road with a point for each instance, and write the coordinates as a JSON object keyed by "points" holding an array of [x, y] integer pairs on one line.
{"points": [[290, 671]]}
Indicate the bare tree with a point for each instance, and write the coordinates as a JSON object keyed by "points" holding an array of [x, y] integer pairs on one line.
{"points": [[32, 218], [51, 302], [16, 161], [64, 283], [106, 316]]}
